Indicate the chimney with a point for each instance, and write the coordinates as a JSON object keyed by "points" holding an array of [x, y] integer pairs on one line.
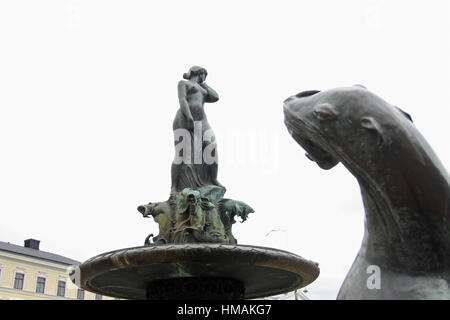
{"points": [[32, 244]]}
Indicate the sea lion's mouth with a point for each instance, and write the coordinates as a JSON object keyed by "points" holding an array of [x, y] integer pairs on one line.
{"points": [[146, 209], [307, 135], [316, 153], [191, 198], [325, 160]]}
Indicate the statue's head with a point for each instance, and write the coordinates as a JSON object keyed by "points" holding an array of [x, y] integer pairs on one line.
{"points": [[196, 71]]}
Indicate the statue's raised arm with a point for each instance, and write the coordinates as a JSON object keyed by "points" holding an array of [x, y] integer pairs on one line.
{"points": [[211, 95]]}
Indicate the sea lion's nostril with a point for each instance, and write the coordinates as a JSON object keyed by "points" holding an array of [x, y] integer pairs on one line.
{"points": [[306, 93]]}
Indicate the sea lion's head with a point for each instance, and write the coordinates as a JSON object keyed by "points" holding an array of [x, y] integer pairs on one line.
{"points": [[403, 184], [348, 123], [147, 209]]}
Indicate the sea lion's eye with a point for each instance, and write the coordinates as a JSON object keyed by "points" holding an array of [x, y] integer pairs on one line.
{"points": [[325, 111], [370, 124], [366, 123]]}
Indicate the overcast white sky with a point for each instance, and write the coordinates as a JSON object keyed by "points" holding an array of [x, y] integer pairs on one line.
{"points": [[88, 95]]}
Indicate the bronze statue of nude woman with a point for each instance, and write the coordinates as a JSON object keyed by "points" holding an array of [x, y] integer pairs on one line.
{"points": [[193, 92], [196, 211]]}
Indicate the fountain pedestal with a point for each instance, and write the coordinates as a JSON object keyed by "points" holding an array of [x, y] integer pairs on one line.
{"points": [[196, 271]]}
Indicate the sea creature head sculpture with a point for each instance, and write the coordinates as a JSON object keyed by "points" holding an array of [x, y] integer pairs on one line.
{"points": [[326, 119], [404, 186], [187, 198]]}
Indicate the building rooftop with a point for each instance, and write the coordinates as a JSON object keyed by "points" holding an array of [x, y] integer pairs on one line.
{"points": [[36, 253]]}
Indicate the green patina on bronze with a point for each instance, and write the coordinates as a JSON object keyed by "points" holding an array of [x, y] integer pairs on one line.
{"points": [[197, 219], [196, 211]]}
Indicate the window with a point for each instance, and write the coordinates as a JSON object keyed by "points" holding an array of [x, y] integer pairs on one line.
{"points": [[80, 294], [98, 297], [61, 288], [18, 280], [40, 284]]}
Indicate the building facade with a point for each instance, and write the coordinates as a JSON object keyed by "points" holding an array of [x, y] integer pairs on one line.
{"points": [[27, 273]]}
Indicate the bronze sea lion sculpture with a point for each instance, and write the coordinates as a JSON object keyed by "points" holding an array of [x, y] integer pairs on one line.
{"points": [[405, 190]]}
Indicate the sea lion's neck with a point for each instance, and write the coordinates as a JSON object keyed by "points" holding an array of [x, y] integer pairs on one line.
{"points": [[403, 231]]}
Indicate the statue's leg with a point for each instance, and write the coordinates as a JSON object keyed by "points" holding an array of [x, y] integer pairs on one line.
{"points": [[210, 150], [183, 142]]}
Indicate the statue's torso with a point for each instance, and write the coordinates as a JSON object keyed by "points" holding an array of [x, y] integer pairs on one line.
{"points": [[195, 96]]}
